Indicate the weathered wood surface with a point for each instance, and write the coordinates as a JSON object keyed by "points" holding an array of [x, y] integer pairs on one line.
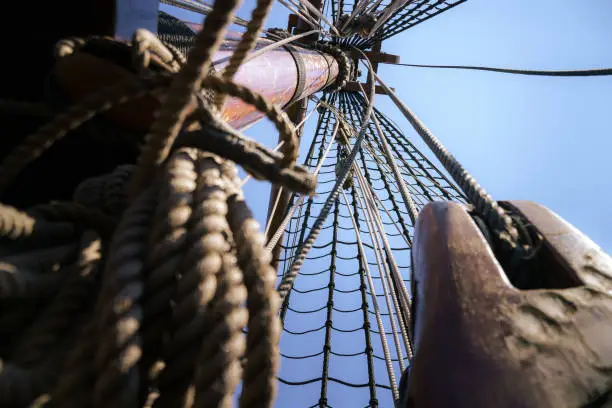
{"points": [[481, 343]]}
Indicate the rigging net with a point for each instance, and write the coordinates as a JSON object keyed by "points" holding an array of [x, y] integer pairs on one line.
{"points": [[331, 341]]}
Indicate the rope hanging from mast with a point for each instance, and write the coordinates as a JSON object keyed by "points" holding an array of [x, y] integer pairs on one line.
{"points": [[153, 285], [133, 334]]}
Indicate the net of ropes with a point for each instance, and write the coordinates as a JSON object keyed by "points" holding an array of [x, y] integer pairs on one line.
{"points": [[152, 285]]}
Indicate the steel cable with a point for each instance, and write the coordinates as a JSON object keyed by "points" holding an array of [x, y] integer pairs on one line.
{"points": [[287, 282], [559, 73], [149, 321]]}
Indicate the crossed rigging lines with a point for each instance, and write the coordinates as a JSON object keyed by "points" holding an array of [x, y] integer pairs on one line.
{"points": [[407, 16], [336, 269]]}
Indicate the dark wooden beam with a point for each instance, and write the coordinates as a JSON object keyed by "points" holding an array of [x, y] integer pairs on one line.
{"points": [[296, 112], [378, 57], [354, 87], [489, 342]]}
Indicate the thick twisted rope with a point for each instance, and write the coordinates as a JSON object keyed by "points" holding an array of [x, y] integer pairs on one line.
{"points": [[273, 112], [119, 348], [496, 217], [201, 263], [286, 284], [105, 368], [150, 309], [106, 193], [168, 239], [264, 328], [246, 44], [218, 369], [180, 97]]}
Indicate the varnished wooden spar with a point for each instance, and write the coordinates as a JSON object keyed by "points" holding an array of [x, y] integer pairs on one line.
{"points": [[281, 76], [34, 75], [482, 343]]}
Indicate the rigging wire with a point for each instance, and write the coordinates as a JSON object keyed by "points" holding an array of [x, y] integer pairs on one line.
{"points": [[197, 6], [287, 282], [382, 270], [496, 217], [381, 327], [404, 298], [317, 13], [560, 73], [375, 224], [409, 149], [323, 125], [412, 212], [356, 10], [369, 147], [279, 231], [407, 17], [390, 9], [305, 17], [245, 45], [278, 44]]}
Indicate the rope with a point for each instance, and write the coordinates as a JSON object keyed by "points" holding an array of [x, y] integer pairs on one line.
{"points": [[282, 40], [364, 260], [322, 127], [390, 270], [412, 211], [40, 141], [34, 145], [246, 44], [259, 388], [305, 17], [329, 306], [495, 216], [344, 65], [140, 288], [287, 282], [281, 227], [560, 73], [180, 96], [364, 306]]}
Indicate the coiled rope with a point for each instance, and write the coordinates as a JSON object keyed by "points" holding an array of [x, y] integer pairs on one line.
{"points": [[137, 292]]}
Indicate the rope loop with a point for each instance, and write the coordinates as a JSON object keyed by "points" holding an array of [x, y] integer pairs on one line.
{"points": [[345, 67], [137, 292]]}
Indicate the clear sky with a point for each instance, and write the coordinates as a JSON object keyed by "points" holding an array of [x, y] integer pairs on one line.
{"points": [[534, 138]]}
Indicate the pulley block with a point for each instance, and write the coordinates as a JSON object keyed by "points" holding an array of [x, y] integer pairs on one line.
{"points": [[481, 341]]}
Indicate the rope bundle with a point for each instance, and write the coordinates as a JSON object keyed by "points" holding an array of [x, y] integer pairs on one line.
{"points": [[156, 311], [137, 292]]}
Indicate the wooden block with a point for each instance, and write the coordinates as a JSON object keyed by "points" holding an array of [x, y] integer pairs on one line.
{"points": [[354, 87], [480, 342]]}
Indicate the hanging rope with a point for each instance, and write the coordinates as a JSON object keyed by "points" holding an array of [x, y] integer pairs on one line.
{"points": [[288, 279], [246, 44], [180, 96], [560, 73], [172, 261], [496, 217]]}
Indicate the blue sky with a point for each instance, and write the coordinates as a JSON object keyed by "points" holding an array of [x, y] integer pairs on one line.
{"points": [[534, 138]]}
